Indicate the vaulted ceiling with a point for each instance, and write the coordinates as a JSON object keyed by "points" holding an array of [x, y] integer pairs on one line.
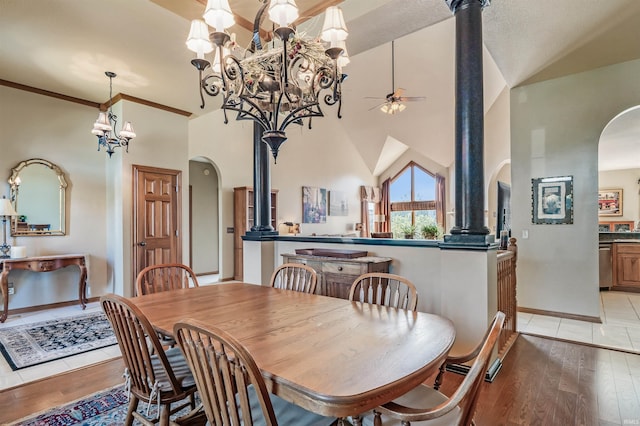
{"points": [[64, 46]]}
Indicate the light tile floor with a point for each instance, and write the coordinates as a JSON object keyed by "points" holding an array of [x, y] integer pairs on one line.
{"points": [[9, 378], [620, 328]]}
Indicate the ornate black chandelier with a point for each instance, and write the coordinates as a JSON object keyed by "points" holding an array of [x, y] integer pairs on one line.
{"points": [[280, 83], [104, 127]]}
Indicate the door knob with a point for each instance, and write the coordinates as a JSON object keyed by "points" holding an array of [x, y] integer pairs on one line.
{"points": [[142, 243]]}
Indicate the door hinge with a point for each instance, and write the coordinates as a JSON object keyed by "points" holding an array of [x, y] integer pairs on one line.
{"points": [[176, 188], [176, 232]]}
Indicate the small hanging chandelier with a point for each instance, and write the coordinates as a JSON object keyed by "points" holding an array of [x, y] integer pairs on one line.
{"points": [[104, 126], [277, 84]]}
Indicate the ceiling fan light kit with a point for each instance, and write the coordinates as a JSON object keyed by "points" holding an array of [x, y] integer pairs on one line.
{"points": [[394, 101], [275, 85]]}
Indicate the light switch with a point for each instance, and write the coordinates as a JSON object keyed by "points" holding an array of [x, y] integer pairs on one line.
{"points": [[525, 234]]}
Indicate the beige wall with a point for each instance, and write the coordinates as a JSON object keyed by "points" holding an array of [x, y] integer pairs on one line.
{"points": [[34, 126], [323, 156], [99, 207], [205, 235], [555, 129]]}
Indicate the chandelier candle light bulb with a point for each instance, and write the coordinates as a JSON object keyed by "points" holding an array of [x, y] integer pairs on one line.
{"points": [[218, 15], [283, 12]]}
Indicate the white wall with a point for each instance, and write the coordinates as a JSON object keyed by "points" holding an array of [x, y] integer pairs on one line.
{"points": [[628, 180], [555, 129], [35, 126]]}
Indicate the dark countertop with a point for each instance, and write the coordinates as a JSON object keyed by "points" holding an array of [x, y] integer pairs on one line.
{"points": [[609, 237]]}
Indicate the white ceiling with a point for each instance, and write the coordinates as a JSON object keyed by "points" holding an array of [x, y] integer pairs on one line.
{"points": [[64, 46]]}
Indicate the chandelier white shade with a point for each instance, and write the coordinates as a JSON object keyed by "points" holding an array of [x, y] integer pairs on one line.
{"points": [[198, 40], [334, 29], [283, 12], [218, 15], [274, 84], [104, 126]]}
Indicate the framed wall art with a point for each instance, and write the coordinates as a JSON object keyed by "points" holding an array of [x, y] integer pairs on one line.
{"points": [[314, 205], [552, 200], [338, 204], [610, 202]]}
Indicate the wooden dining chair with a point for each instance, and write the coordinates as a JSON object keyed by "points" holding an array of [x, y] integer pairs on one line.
{"points": [[381, 288], [230, 385], [458, 409], [152, 375], [164, 277], [295, 276]]}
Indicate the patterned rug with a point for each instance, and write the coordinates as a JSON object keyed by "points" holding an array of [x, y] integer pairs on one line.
{"points": [[104, 408], [32, 344]]}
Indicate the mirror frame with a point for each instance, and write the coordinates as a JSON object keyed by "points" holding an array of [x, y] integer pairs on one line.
{"points": [[15, 172]]}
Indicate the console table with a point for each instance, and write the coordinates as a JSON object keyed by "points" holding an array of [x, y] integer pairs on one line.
{"points": [[42, 264]]}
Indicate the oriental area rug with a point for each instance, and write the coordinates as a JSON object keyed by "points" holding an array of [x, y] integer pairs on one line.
{"points": [[104, 408], [36, 343]]}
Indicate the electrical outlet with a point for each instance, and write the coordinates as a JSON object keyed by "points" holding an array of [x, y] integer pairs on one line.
{"points": [[12, 290]]}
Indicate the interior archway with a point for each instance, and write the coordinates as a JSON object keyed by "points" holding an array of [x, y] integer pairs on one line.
{"points": [[204, 219]]}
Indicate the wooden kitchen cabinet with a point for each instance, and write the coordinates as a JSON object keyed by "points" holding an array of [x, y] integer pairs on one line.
{"points": [[626, 266], [335, 275], [243, 221]]}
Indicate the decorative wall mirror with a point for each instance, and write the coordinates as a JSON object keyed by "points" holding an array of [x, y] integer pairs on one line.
{"points": [[38, 195]]}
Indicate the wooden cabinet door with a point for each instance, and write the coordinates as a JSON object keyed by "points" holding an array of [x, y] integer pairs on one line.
{"points": [[627, 264]]}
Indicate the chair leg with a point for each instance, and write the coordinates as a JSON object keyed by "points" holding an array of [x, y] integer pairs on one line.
{"points": [[377, 421], [133, 406], [165, 410], [357, 420], [438, 381]]}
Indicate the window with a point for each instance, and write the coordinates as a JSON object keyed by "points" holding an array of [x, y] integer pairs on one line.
{"points": [[413, 199]]}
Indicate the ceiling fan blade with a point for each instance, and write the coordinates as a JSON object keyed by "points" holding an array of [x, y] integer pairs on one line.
{"points": [[398, 93], [377, 106], [412, 98], [373, 97]]}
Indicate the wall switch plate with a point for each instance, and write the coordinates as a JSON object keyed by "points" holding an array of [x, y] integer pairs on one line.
{"points": [[12, 290], [525, 234], [230, 230]]}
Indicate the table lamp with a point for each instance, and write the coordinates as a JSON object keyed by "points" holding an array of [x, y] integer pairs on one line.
{"points": [[6, 211]]}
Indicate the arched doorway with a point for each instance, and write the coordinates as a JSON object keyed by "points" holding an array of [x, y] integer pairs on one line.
{"points": [[204, 219], [619, 169]]}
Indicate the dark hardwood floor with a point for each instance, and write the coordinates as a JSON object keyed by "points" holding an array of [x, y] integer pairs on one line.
{"points": [[542, 382]]}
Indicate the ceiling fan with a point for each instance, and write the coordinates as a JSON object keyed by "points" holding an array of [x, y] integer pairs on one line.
{"points": [[394, 101]]}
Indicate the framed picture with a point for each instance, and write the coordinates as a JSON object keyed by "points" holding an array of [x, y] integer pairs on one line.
{"points": [[314, 205], [338, 204], [610, 202], [552, 200]]}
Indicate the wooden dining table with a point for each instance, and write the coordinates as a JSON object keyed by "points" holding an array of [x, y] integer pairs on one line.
{"points": [[331, 356]]}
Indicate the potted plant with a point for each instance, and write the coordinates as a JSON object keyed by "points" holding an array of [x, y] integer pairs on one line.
{"points": [[408, 231], [430, 231]]}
